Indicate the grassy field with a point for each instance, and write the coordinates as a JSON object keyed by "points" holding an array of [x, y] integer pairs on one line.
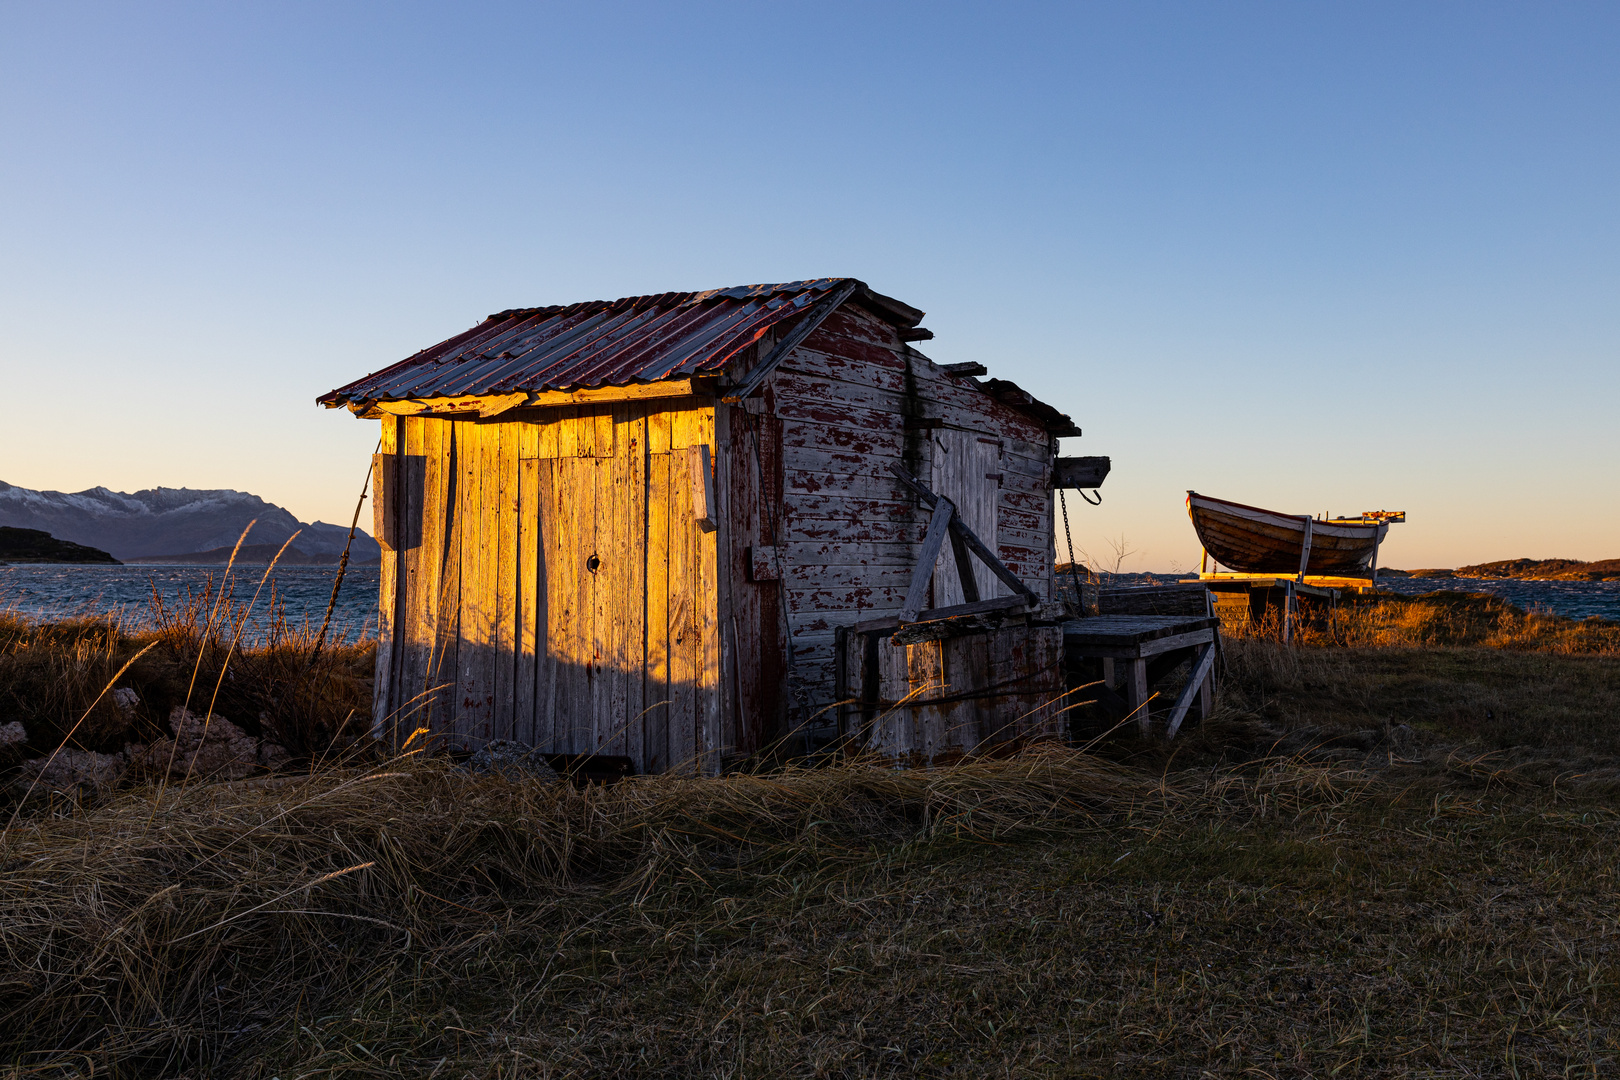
{"points": [[1391, 853]]}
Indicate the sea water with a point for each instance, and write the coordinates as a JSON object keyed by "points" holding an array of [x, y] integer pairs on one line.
{"points": [[54, 592], [46, 592], [1572, 599]]}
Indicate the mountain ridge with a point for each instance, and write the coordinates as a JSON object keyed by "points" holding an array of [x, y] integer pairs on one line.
{"points": [[171, 523]]}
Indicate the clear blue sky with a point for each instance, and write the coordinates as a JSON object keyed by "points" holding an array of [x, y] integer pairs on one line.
{"points": [[1313, 256]]}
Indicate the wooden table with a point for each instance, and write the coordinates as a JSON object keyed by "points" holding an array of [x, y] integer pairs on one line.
{"points": [[1129, 645]]}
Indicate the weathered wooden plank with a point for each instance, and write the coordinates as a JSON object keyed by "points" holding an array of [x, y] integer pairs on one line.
{"points": [[1196, 683], [478, 617], [472, 634], [548, 443], [892, 553], [568, 434], [692, 426], [821, 398], [604, 435], [658, 430], [822, 483], [529, 601], [1020, 523], [631, 441], [440, 685], [505, 534], [917, 592], [604, 615], [419, 616], [552, 608], [417, 575], [384, 473], [869, 599], [843, 438], [795, 408], [683, 623], [704, 510], [833, 575], [710, 692], [656, 723], [925, 671], [838, 462]]}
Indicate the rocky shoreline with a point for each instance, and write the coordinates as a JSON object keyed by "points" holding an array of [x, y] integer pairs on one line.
{"points": [[1527, 570]]}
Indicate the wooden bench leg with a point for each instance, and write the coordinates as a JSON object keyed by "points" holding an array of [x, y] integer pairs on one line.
{"points": [[1137, 695], [1197, 681]]}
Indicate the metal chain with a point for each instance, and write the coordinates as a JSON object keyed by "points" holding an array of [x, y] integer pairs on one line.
{"points": [[1079, 597]]}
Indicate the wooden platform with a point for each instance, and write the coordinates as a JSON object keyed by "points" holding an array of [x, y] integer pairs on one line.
{"points": [[1134, 648], [1278, 581]]}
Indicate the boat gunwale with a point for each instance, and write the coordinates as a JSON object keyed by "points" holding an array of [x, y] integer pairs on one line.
{"points": [[1295, 522]]}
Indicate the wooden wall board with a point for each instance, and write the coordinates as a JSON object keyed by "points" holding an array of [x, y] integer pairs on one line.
{"points": [[530, 598], [684, 656], [843, 438], [417, 571], [385, 507], [899, 552], [506, 525], [710, 691], [631, 438], [658, 717]]}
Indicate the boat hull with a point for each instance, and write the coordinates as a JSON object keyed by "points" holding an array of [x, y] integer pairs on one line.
{"points": [[1256, 541]]}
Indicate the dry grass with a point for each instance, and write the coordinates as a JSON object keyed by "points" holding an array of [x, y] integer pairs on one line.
{"points": [[1047, 915], [1376, 861], [51, 673], [1447, 619]]}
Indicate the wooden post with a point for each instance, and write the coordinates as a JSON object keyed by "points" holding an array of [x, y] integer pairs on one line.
{"points": [[1288, 613], [1378, 536], [1305, 550], [1203, 562], [1137, 696]]}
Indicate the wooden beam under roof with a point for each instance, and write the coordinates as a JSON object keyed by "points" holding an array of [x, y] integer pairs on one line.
{"points": [[490, 406]]}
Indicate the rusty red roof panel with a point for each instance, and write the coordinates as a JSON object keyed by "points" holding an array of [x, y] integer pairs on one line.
{"points": [[601, 343]]}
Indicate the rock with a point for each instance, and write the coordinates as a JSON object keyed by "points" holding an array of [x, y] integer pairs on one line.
{"points": [[273, 755], [12, 734], [215, 749], [513, 760], [125, 700], [69, 770]]}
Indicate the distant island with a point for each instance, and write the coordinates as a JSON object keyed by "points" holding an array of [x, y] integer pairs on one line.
{"points": [[36, 546], [177, 525], [1529, 570]]}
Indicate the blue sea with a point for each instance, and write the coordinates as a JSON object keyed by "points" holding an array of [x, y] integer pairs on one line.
{"points": [[301, 593], [1573, 599], [53, 592]]}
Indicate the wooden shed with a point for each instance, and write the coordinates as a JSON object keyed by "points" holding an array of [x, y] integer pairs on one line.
{"points": [[670, 529]]}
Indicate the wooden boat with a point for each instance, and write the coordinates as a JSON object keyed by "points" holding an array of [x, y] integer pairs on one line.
{"points": [[1256, 541]]}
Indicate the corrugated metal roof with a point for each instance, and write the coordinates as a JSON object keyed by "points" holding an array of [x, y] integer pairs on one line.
{"points": [[638, 339], [603, 342]]}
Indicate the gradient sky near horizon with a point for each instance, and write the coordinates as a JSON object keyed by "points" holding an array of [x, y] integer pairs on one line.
{"points": [[1317, 257]]}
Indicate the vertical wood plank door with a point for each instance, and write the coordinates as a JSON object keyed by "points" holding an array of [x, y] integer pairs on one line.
{"points": [[966, 469]]}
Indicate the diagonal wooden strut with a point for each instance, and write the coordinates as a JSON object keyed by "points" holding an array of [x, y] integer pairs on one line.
{"points": [[938, 527], [963, 540]]}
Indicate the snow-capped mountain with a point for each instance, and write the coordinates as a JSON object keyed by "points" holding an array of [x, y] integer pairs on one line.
{"points": [[171, 521]]}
